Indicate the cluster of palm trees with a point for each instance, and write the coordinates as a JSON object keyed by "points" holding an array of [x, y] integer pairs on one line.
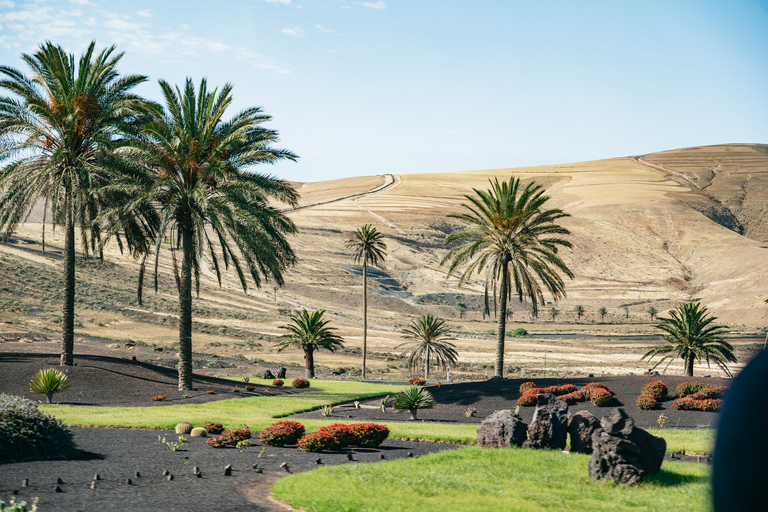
{"points": [[119, 166]]}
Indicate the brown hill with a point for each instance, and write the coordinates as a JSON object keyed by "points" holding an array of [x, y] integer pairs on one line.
{"points": [[647, 230]]}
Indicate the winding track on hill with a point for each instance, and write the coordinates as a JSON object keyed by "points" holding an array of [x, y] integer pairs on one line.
{"points": [[390, 182]]}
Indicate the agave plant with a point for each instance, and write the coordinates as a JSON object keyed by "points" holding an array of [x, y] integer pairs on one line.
{"points": [[47, 382], [414, 398]]}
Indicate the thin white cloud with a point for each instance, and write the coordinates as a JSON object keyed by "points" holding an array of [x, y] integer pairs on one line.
{"points": [[281, 2], [379, 6], [324, 29], [146, 13], [294, 32], [7, 4], [80, 2]]}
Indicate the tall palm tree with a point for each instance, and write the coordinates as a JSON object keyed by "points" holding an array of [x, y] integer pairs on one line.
{"points": [[200, 185], [310, 332], [512, 238], [691, 336], [58, 130], [428, 340], [579, 312], [367, 245]]}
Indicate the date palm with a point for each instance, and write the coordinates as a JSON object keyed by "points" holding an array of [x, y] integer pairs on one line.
{"points": [[58, 131], [554, 312], [200, 185], [310, 332], [512, 239], [652, 312], [691, 335], [428, 340], [367, 246], [602, 312], [579, 312]]}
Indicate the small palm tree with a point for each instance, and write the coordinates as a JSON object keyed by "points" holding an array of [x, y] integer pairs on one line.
{"points": [[310, 332], [692, 336], [428, 337], [554, 312], [199, 183], [579, 312], [367, 245], [59, 130], [602, 312], [652, 312], [414, 398], [514, 241], [461, 308], [626, 313]]}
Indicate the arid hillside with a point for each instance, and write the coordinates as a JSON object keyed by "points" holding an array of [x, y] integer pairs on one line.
{"points": [[649, 230]]}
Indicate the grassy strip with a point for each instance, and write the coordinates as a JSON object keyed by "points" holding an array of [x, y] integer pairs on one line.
{"points": [[470, 479], [260, 412]]}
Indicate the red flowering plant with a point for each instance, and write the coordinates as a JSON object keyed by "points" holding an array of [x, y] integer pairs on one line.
{"points": [[235, 436], [250, 388], [525, 386], [211, 392], [341, 432], [281, 433], [527, 399], [214, 428], [692, 404], [278, 383], [217, 442], [646, 402], [300, 383], [572, 398], [556, 390], [317, 442], [600, 397], [709, 392], [656, 389], [688, 388], [159, 398], [415, 381], [368, 435], [587, 390]]}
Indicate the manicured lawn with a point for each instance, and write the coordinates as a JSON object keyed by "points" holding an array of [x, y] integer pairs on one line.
{"points": [[260, 412], [475, 479]]}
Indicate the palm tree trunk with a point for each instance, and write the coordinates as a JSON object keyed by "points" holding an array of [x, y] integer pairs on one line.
{"points": [[68, 311], [365, 312], [310, 362], [45, 213], [185, 312], [502, 325], [689, 366]]}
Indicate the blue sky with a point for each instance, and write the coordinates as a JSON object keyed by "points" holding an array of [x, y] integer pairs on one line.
{"points": [[373, 87]]}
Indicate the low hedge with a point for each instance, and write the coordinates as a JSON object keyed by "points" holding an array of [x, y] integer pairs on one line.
{"points": [[300, 383], [341, 435], [689, 403]]}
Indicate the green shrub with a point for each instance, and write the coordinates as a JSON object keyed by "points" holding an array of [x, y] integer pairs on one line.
{"points": [[47, 382], [519, 332], [688, 388], [26, 433], [21, 506], [688, 403], [414, 398]]}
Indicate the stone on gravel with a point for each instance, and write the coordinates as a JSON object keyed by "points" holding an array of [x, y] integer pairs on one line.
{"points": [[228, 470], [318, 461], [129, 482], [97, 477], [170, 477], [57, 489], [25, 482], [137, 474], [267, 375], [59, 481], [93, 484], [502, 429], [624, 453], [549, 427], [581, 427]]}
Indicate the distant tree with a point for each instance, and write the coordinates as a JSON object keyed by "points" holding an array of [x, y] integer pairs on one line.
{"points": [[692, 336], [509, 314], [602, 312], [60, 128], [428, 340], [626, 312], [579, 312], [652, 312], [309, 332], [514, 241], [554, 312], [367, 245], [461, 308]]}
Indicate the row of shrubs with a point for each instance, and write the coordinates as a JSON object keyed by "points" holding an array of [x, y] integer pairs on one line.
{"points": [[691, 396], [329, 437], [297, 383], [597, 393]]}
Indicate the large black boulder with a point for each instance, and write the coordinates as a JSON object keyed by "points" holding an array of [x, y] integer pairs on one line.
{"points": [[502, 429], [549, 427]]}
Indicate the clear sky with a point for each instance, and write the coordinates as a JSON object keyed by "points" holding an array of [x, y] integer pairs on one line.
{"points": [[401, 86]]}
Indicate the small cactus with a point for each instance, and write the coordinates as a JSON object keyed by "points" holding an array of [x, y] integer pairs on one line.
{"points": [[184, 427], [199, 432]]}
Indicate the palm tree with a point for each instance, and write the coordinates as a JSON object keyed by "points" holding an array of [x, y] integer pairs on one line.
{"points": [[602, 312], [310, 332], [691, 336], [199, 184], [512, 239], [367, 245], [554, 312], [58, 130], [579, 312], [626, 313], [461, 308], [428, 335], [652, 312]]}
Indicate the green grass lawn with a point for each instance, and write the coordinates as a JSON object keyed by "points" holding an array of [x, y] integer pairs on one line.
{"points": [[477, 479], [260, 412]]}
